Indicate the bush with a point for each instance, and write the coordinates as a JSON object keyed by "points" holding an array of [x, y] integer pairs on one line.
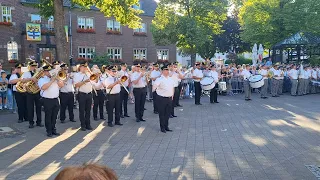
{"points": [[242, 60], [314, 60], [101, 60]]}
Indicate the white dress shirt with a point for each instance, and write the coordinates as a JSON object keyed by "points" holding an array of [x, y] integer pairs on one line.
{"points": [[307, 74], [301, 74], [214, 75], [141, 83], [276, 73], [293, 73], [124, 73], [68, 86], [97, 85], [13, 77], [164, 86], [79, 77], [155, 74], [246, 74], [26, 75], [314, 74], [53, 90], [198, 73], [110, 80], [264, 72], [175, 78]]}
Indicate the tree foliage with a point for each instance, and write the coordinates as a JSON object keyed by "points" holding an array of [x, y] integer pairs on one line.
{"points": [[100, 60], [270, 21], [189, 24]]}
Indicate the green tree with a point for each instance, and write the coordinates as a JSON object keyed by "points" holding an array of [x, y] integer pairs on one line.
{"points": [[123, 12], [100, 60], [189, 24]]}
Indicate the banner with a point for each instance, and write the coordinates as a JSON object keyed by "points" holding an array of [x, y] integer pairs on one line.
{"points": [[33, 32], [66, 29]]}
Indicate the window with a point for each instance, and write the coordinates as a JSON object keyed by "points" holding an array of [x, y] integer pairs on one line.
{"points": [[142, 29], [140, 54], [113, 25], [114, 53], [86, 52], [6, 14], [12, 50], [35, 18], [163, 54], [85, 23], [50, 23]]}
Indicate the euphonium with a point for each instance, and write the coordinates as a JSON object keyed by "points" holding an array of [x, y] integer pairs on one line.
{"points": [[270, 74], [33, 87]]}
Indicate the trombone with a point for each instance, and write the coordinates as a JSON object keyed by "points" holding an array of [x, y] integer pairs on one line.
{"points": [[92, 77], [122, 80]]}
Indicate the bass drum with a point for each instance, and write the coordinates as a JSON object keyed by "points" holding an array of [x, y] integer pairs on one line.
{"points": [[207, 83], [256, 81]]}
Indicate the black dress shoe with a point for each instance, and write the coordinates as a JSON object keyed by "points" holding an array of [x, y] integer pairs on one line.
{"points": [[137, 120], [142, 119], [163, 130], [126, 115], [31, 126], [20, 121], [121, 116], [144, 109], [198, 104], [212, 102], [175, 106], [49, 134], [89, 128], [155, 112], [83, 129], [179, 105], [63, 122], [167, 129], [73, 120], [103, 118], [55, 133], [216, 102], [110, 125], [119, 124], [174, 116], [40, 125], [96, 119], [247, 99], [170, 116]]}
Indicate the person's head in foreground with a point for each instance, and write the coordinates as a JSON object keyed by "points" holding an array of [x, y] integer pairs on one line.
{"points": [[87, 172]]}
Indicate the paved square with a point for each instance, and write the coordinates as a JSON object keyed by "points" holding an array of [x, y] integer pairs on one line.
{"points": [[261, 139]]}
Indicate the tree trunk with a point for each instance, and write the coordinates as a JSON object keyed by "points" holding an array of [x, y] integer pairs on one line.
{"points": [[193, 58], [61, 41]]}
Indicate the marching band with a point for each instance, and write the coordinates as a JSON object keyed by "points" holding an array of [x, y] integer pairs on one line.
{"points": [[57, 89]]}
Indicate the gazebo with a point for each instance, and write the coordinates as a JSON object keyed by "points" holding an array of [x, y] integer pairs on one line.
{"points": [[296, 48]]}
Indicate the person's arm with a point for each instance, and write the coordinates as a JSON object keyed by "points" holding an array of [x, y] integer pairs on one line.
{"points": [[113, 84], [13, 79], [5, 80], [46, 85], [136, 80]]}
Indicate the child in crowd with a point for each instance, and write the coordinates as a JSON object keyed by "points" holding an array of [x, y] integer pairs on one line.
{"points": [[3, 90]]}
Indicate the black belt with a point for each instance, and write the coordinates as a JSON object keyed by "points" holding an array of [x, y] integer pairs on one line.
{"points": [[164, 97], [84, 92], [114, 94], [49, 98], [138, 87], [67, 92]]}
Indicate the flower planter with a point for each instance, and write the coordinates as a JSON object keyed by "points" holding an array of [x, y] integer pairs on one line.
{"points": [[114, 32], [83, 59], [13, 61], [6, 23], [140, 34], [80, 30]]}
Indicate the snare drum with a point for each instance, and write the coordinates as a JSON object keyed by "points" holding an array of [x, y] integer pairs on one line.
{"points": [[256, 81], [207, 83], [222, 86]]}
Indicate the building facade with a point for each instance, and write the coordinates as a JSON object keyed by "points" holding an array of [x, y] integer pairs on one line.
{"points": [[89, 33]]}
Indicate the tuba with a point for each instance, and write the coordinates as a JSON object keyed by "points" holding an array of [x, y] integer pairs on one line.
{"points": [[33, 87]]}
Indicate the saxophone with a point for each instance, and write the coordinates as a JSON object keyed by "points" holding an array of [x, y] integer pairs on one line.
{"points": [[270, 74], [20, 86]]}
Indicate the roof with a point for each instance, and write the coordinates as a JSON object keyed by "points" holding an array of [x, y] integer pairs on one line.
{"points": [[148, 6], [300, 38]]}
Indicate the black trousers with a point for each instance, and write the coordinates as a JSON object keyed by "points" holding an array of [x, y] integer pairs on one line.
{"points": [[154, 96], [124, 101], [114, 103], [21, 100], [98, 101], [176, 96], [214, 94], [33, 100], [179, 91], [140, 100], [85, 101], [164, 108], [51, 108], [197, 91], [66, 101]]}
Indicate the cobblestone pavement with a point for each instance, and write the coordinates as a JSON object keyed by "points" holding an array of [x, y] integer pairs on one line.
{"points": [[261, 139]]}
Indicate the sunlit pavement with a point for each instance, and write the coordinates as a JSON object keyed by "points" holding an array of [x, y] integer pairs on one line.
{"points": [[260, 139]]}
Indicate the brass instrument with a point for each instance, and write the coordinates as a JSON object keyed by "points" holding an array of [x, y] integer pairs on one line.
{"points": [[93, 77], [270, 74], [122, 80]]}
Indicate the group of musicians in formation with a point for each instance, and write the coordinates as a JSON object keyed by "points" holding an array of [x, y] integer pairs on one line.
{"points": [[110, 86]]}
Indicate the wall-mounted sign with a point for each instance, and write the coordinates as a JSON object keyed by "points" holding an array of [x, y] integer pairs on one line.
{"points": [[33, 32]]}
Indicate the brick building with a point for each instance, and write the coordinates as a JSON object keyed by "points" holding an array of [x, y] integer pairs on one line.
{"points": [[90, 32]]}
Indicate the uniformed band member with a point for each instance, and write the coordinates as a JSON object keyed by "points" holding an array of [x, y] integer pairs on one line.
{"points": [[67, 96], [104, 76], [306, 80], [99, 97], [164, 86], [32, 99], [123, 93], [82, 83], [293, 75], [20, 97], [50, 93], [275, 81], [197, 75], [246, 85], [155, 74], [214, 91], [112, 84], [139, 92], [301, 81], [264, 88], [280, 81]]}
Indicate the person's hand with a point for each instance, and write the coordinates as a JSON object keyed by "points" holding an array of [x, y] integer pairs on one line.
{"points": [[34, 79], [86, 81]]}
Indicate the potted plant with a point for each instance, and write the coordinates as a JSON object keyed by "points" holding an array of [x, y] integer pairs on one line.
{"points": [[13, 61], [116, 32], [140, 33], [6, 23], [81, 30]]}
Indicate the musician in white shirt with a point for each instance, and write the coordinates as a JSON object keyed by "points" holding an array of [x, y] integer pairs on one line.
{"points": [[246, 85], [123, 93], [197, 75], [264, 88], [275, 81], [301, 80], [293, 75], [98, 95], [313, 78], [214, 91], [307, 80], [164, 86], [139, 92], [155, 74], [50, 87], [113, 88], [82, 82], [67, 96]]}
